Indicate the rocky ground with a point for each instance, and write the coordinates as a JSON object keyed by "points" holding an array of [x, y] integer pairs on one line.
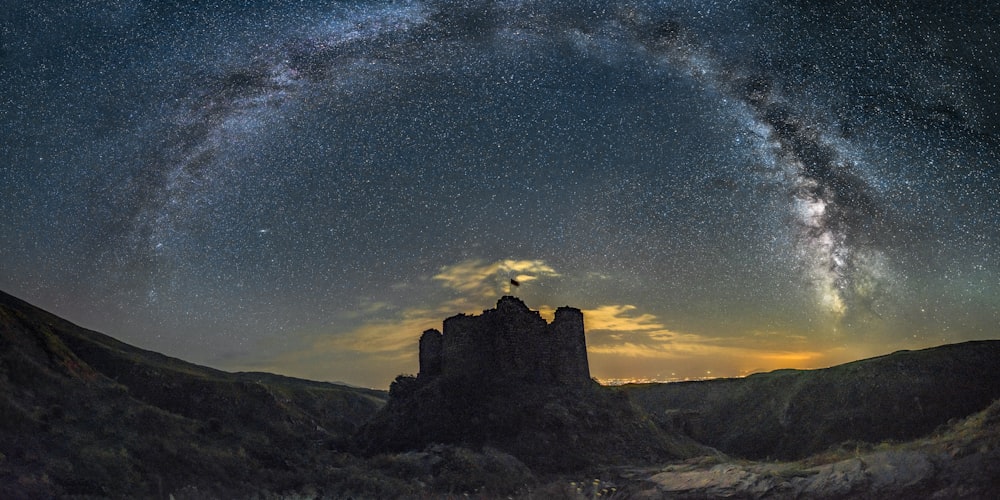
{"points": [[959, 461]]}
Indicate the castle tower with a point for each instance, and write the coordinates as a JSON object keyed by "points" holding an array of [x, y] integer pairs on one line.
{"points": [[431, 351], [570, 340], [466, 349]]}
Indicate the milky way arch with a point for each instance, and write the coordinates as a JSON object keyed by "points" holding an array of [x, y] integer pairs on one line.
{"points": [[836, 218]]}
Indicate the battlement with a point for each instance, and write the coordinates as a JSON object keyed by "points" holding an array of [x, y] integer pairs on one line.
{"points": [[510, 341]]}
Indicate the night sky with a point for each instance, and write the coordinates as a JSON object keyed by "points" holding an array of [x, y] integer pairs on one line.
{"points": [[722, 187]]}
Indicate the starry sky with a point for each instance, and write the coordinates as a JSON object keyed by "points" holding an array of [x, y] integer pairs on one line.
{"points": [[723, 187]]}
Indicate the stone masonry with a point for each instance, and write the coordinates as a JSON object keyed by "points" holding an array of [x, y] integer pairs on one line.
{"points": [[510, 341]]}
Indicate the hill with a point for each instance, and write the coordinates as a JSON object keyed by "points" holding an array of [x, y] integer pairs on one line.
{"points": [[790, 414], [84, 414]]}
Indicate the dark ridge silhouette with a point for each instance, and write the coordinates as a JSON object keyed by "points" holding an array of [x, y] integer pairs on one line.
{"points": [[84, 414], [790, 414]]}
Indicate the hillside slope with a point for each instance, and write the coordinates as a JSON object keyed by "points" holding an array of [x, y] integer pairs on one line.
{"points": [[82, 413], [960, 460], [789, 414]]}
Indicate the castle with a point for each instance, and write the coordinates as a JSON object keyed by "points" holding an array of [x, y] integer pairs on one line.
{"points": [[508, 380], [509, 342]]}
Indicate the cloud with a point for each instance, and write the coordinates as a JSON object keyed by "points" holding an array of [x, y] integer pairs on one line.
{"points": [[621, 329], [621, 340], [390, 338], [619, 318], [370, 354], [373, 352], [477, 278]]}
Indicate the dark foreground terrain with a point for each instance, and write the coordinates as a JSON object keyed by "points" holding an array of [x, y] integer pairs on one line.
{"points": [[84, 415], [791, 414]]}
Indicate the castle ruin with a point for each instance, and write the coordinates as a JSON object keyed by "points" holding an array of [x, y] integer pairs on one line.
{"points": [[509, 342]]}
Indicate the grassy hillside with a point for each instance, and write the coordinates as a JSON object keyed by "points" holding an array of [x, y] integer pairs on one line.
{"points": [[790, 414], [81, 413]]}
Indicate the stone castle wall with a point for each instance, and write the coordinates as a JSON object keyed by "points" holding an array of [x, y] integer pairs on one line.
{"points": [[510, 341]]}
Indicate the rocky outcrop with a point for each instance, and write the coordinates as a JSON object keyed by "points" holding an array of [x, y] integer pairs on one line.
{"points": [[961, 460]]}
